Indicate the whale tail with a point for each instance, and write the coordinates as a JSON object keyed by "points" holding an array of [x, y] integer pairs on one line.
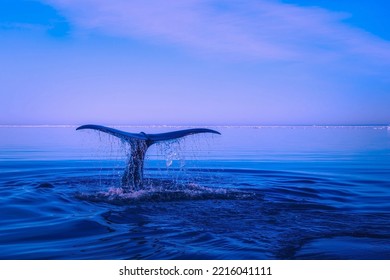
{"points": [[132, 178]]}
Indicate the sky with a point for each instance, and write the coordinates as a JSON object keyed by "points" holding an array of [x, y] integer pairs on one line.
{"points": [[194, 62]]}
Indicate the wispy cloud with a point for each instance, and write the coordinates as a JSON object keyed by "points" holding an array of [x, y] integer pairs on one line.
{"points": [[263, 29]]}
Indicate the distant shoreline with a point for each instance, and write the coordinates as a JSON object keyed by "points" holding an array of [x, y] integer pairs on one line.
{"points": [[377, 126]]}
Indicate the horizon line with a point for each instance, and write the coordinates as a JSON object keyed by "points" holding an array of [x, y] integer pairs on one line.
{"points": [[183, 125]]}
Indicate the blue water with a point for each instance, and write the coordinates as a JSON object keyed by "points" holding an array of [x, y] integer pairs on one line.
{"points": [[251, 193]]}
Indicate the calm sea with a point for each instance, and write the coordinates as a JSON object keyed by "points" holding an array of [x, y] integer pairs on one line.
{"points": [[250, 193]]}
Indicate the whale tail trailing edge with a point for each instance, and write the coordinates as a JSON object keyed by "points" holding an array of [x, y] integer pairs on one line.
{"points": [[149, 138], [132, 178]]}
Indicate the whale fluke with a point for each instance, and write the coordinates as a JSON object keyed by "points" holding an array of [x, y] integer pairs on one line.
{"points": [[132, 178]]}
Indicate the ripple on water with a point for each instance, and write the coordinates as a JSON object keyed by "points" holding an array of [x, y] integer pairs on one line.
{"points": [[210, 214], [345, 247]]}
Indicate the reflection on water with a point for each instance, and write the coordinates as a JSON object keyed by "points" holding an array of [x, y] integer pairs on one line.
{"points": [[252, 193]]}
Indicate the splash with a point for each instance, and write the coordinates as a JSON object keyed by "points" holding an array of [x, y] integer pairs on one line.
{"points": [[133, 176], [168, 191]]}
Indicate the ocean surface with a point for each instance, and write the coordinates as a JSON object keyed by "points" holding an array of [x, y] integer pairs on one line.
{"points": [[306, 192]]}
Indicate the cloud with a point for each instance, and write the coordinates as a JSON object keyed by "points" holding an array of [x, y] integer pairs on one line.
{"points": [[262, 29]]}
